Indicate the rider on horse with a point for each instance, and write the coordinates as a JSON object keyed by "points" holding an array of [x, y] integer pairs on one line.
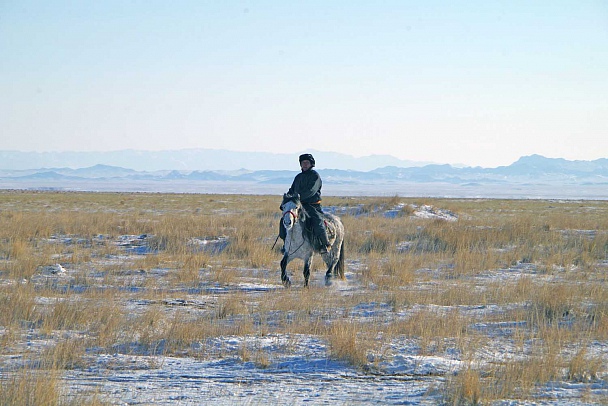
{"points": [[308, 185]]}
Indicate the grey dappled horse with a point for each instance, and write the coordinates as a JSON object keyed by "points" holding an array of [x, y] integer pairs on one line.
{"points": [[298, 242]]}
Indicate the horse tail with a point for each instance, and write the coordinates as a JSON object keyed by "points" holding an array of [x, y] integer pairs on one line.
{"points": [[339, 269]]}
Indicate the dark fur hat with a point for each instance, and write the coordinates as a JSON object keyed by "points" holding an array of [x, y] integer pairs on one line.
{"points": [[307, 157]]}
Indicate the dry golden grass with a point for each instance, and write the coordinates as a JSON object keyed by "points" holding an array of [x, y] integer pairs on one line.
{"points": [[539, 262], [464, 388], [344, 344], [584, 368], [31, 387]]}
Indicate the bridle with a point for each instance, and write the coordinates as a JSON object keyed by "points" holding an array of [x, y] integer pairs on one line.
{"points": [[293, 213]]}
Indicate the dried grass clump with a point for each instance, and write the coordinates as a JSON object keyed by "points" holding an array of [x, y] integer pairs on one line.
{"points": [[344, 345], [433, 329], [464, 388], [18, 305], [30, 387], [520, 378], [66, 354], [254, 353], [583, 367], [552, 303]]}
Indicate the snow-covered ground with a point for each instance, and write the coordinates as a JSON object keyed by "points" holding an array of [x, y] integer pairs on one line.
{"points": [[297, 369], [290, 369]]}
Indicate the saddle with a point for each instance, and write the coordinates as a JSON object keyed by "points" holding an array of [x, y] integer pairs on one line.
{"points": [[309, 234]]}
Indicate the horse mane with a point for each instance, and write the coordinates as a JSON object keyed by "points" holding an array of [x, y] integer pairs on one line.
{"points": [[289, 197], [304, 214], [295, 198]]}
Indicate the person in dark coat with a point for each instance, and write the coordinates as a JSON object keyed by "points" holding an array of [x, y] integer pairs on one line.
{"points": [[308, 185]]}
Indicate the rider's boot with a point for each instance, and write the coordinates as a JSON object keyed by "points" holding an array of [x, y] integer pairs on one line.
{"points": [[325, 245]]}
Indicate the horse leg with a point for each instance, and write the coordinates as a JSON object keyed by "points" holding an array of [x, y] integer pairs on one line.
{"points": [[284, 277], [307, 264], [331, 264]]}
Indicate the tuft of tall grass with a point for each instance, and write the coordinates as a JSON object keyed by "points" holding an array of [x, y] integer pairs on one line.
{"points": [[257, 354], [584, 368], [18, 305], [465, 387], [30, 387], [65, 354], [344, 344], [551, 303]]}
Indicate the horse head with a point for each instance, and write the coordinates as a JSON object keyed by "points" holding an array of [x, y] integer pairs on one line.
{"points": [[292, 209], [287, 197]]}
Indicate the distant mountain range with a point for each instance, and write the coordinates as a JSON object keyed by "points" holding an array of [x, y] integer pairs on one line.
{"points": [[530, 176], [533, 168], [193, 160]]}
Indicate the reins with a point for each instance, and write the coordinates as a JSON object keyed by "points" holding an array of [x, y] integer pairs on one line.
{"points": [[275, 242], [291, 253]]}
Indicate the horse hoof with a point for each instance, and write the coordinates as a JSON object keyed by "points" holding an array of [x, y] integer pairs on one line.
{"points": [[328, 281], [287, 283]]}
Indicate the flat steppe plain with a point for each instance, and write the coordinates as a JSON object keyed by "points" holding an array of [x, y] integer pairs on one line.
{"points": [[167, 298]]}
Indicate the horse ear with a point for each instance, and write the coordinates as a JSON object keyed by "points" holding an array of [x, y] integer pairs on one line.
{"points": [[285, 199]]}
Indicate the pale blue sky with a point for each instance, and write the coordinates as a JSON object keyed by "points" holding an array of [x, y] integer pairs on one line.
{"points": [[473, 82]]}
